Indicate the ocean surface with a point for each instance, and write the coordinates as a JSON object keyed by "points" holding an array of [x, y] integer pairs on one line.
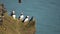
{"points": [[46, 12]]}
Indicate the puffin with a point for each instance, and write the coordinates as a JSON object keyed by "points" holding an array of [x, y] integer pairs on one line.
{"points": [[21, 17], [26, 19], [32, 19], [13, 14]]}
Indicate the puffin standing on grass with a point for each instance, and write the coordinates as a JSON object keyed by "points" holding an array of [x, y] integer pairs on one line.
{"points": [[13, 14], [21, 17], [26, 19], [32, 19]]}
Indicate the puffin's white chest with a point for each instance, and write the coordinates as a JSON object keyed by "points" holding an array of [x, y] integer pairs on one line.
{"points": [[26, 20], [14, 16], [22, 17]]}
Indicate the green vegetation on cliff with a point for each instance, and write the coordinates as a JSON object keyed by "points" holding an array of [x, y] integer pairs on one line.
{"points": [[15, 26]]}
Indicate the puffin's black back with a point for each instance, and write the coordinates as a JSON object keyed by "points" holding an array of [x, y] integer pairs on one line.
{"points": [[19, 18], [24, 19], [11, 13], [31, 18]]}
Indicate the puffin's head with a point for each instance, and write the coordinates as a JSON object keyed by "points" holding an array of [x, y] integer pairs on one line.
{"points": [[27, 16], [22, 13], [13, 11]]}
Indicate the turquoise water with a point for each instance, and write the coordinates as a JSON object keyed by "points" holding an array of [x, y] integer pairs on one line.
{"points": [[47, 13]]}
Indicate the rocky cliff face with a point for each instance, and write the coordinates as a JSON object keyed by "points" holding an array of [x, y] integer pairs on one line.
{"points": [[15, 26]]}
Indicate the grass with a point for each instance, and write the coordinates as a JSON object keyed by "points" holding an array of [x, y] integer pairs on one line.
{"points": [[15, 26]]}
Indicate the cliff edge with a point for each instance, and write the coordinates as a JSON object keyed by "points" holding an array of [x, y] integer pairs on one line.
{"points": [[14, 26]]}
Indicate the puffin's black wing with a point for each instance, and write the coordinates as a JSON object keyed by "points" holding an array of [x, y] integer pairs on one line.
{"points": [[11, 13], [31, 18], [19, 1], [24, 19]]}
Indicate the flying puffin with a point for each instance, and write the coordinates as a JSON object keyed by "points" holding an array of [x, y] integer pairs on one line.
{"points": [[13, 14], [21, 17], [26, 19]]}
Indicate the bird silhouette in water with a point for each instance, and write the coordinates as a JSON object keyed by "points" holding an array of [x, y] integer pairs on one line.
{"points": [[19, 1]]}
